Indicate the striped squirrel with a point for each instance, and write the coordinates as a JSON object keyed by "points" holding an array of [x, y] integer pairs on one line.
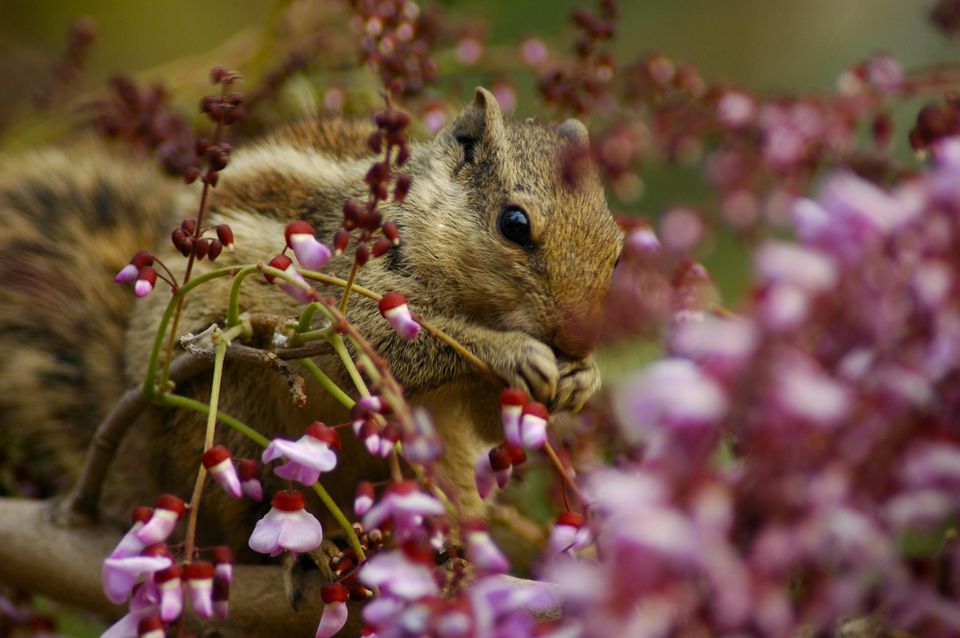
{"points": [[497, 250]]}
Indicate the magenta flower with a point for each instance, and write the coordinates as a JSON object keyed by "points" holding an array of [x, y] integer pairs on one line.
{"points": [[308, 457], [334, 610], [286, 527], [482, 552], [199, 576], [143, 604], [406, 505], [393, 307], [533, 426], [130, 545], [300, 291], [217, 461], [512, 401], [249, 473], [301, 238], [170, 588], [121, 574], [168, 511]]}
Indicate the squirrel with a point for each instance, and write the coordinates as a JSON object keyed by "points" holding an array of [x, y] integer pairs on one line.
{"points": [[497, 250]]}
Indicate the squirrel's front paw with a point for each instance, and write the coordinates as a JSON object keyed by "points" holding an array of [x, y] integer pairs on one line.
{"points": [[579, 380], [527, 364]]}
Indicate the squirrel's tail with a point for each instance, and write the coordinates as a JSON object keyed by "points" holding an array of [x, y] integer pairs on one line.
{"points": [[69, 220]]}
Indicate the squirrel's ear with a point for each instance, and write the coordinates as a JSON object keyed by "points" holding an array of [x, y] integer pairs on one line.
{"points": [[479, 127], [574, 132]]}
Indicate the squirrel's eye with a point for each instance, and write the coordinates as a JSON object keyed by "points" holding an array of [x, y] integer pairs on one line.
{"points": [[515, 226]]}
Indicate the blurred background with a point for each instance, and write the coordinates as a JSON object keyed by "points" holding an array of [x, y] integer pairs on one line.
{"points": [[783, 48]]}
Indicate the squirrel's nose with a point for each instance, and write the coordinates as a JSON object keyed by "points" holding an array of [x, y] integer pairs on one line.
{"points": [[577, 331]]}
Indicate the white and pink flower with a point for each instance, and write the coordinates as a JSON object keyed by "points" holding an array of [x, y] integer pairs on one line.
{"points": [[286, 527]]}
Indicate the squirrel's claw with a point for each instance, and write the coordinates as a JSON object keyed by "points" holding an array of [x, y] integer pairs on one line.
{"points": [[579, 380], [527, 364]]}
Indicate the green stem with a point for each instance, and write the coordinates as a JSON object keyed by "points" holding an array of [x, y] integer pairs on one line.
{"points": [[337, 342], [233, 306], [149, 380], [310, 335], [341, 519], [178, 401], [342, 283], [306, 317], [218, 357], [327, 383]]}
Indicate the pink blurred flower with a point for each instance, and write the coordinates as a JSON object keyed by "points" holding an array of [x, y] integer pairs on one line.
{"points": [[308, 456]]}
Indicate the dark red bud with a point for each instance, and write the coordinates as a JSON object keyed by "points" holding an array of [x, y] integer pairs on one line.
{"points": [[381, 247], [280, 262], [340, 241], [248, 470], [142, 259], [335, 593], [402, 187], [225, 235], [499, 458], [189, 225], [222, 555], [171, 503], [517, 454], [215, 249], [375, 142], [201, 248], [390, 232], [362, 255], [288, 501], [215, 456]]}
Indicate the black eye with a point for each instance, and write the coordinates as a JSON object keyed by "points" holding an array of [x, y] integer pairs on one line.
{"points": [[515, 226]]}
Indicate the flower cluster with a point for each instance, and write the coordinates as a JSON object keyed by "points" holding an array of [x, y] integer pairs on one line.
{"points": [[582, 86], [363, 222], [396, 42], [143, 570], [80, 40]]}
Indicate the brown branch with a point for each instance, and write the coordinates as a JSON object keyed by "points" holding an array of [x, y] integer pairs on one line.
{"points": [[80, 506], [64, 564]]}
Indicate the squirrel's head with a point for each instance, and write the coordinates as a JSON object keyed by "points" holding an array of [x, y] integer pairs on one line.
{"points": [[509, 241]]}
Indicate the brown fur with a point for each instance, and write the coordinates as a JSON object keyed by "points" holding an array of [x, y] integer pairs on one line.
{"points": [[514, 307]]}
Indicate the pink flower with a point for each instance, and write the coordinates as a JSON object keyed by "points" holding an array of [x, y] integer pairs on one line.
{"points": [[168, 511], [286, 527], [249, 473], [301, 238], [146, 280], [217, 461], [334, 610], [482, 552], [569, 533], [121, 574], [512, 401], [363, 501], [221, 597], [406, 505], [130, 545], [393, 307], [223, 563], [533, 426], [398, 577], [128, 274], [493, 469], [300, 291], [142, 605], [309, 456], [170, 588], [199, 575]]}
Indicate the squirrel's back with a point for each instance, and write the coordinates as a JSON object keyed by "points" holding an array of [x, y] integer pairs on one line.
{"points": [[69, 219]]}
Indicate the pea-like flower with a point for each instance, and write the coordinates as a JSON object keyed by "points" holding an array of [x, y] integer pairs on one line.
{"points": [[512, 401], [170, 587], [302, 240], [301, 291], [121, 574], [569, 532], [393, 307], [533, 426], [217, 461], [199, 576], [168, 511], [308, 457], [482, 552], [249, 473], [286, 527], [406, 505], [334, 610]]}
